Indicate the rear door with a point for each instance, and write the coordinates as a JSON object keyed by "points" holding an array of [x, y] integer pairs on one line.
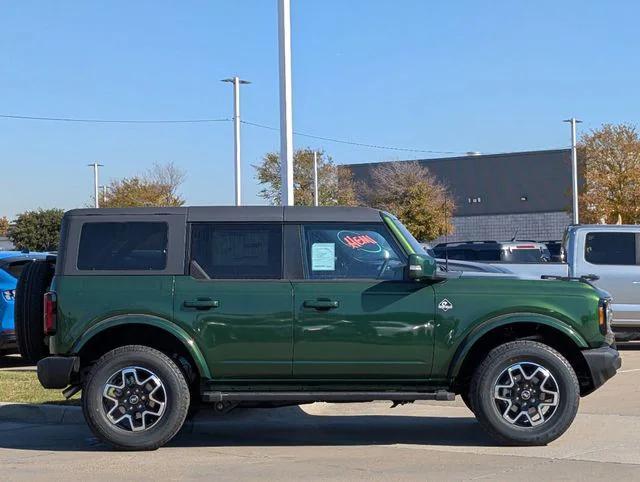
{"points": [[235, 298], [614, 256], [356, 315]]}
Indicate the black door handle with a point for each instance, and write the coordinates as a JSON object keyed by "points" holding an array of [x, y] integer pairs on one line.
{"points": [[201, 304], [321, 304]]}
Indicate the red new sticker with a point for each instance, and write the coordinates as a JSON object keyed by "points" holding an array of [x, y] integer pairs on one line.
{"points": [[359, 241]]}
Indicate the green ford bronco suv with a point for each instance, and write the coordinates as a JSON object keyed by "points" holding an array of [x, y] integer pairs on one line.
{"points": [[151, 311]]}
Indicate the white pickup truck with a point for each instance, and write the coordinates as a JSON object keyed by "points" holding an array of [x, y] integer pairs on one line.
{"points": [[610, 252]]}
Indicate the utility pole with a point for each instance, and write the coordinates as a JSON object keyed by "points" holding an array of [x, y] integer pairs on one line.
{"points": [[316, 201], [96, 199], [574, 168], [286, 112], [237, 81]]}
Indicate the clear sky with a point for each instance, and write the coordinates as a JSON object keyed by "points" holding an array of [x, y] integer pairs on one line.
{"points": [[446, 76]]}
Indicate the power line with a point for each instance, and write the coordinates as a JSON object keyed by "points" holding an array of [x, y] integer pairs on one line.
{"points": [[254, 124], [114, 121], [354, 143], [200, 121]]}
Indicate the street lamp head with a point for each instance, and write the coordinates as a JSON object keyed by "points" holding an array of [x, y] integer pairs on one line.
{"points": [[573, 120], [233, 79]]}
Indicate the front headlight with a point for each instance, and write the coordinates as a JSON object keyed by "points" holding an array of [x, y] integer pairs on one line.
{"points": [[605, 315]]}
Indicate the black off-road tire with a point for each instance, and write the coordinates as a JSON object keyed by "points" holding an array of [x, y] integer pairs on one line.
{"points": [[466, 398], [504, 356], [177, 398], [33, 283]]}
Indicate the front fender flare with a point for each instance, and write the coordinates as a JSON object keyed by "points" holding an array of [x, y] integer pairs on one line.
{"points": [[157, 322], [512, 318]]}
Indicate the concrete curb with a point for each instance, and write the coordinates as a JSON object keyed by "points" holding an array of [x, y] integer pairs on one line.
{"points": [[31, 413]]}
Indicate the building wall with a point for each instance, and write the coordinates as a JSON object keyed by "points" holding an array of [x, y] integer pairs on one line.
{"points": [[501, 227], [5, 244]]}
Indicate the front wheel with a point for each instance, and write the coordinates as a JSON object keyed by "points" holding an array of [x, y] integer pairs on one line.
{"points": [[525, 393], [135, 398]]}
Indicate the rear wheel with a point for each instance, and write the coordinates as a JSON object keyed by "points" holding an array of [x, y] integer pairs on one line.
{"points": [[33, 283], [525, 393], [135, 398], [467, 400]]}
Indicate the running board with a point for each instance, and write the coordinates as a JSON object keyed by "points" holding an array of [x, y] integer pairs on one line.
{"points": [[360, 396]]}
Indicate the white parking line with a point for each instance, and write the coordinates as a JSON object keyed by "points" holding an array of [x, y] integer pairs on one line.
{"points": [[629, 371]]}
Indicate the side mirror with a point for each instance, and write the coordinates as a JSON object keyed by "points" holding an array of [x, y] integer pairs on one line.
{"points": [[421, 266]]}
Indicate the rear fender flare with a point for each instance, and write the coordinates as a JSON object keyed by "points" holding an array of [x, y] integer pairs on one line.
{"points": [[157, 322]]}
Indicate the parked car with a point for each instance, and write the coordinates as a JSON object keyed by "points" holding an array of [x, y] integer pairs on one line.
{"points": [[151, 310], [466, 267], [494, 251], [611, 253], [428, 249], [11, 265], [555, 250]]}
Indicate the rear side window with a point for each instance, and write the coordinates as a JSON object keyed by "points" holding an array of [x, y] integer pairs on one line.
{"points": [[611, 248], [125, 246], [489, 254], [15, 268], [236, 251]]}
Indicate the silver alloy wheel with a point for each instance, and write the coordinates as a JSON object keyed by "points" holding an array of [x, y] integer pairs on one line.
{"points": [[526, 394], [134, 398]]}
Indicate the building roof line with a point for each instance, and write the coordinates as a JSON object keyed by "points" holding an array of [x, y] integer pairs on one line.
{"points": [[470, 156]]}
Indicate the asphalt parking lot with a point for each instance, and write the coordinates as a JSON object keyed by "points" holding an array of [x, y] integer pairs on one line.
{"points": [[422, 441]]}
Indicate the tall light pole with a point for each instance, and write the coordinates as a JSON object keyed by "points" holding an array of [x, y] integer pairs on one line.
{"points": [[96, 199], [315, 179], [574, 168], [236, 81], [286, 125]]}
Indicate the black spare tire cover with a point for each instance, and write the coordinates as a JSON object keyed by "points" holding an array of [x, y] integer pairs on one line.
{"points": [[34, 282]]}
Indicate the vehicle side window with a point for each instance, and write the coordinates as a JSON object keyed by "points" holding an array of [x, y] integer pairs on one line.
{"points": [[611, 248], [351, 251], [123, 246], [15, 268], [236, 251], [488, 254]]}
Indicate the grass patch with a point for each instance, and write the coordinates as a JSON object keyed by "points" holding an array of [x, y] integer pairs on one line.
{"points": [[24, 387]]}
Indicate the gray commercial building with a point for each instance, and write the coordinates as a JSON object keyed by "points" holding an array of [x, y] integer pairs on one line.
{"points": [[498, 195]]}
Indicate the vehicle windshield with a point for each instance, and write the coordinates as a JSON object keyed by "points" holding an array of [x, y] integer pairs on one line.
{"points": [[415, 245]]}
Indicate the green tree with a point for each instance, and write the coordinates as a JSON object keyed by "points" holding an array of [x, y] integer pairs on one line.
{"points": [[335, 183], [610, 165], [4, 226], [414, 195], [37, 230], [158, 187]]}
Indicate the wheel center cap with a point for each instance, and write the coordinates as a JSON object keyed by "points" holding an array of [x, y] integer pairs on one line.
{"points": [[526, 394], [133, 399]]}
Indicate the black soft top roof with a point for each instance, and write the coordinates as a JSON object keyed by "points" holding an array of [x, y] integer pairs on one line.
{"points": [[245, 213]]}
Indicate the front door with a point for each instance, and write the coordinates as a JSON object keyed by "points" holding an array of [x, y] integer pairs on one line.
{"points": [[356, 315], [236, 301]]}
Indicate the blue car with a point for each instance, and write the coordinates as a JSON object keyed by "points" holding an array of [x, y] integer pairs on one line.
{"points": [[11, 264]]}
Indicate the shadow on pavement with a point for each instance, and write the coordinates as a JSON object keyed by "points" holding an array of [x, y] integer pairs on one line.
{"points": [[14, 361], [290, 426], [632, 345]]}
